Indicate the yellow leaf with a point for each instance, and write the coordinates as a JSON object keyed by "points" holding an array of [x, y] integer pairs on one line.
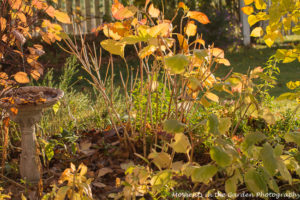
{"points": [[124, 13], [23, 197], [217, 52], [111, 32], [21, 77], [62, 192], [147, 51], [113, 47], [153, 12], [200, 41], [15, 4], [62, 17], [2, 23], [223, 61], [212, 96], [22, 17], [160, 29], [252, 19], [35, 74], [248, 10], [199, 16], [247, 2], [181, 143], [260, 4], [161, 160], [50, 11], [14, 110], [183, 42], [191, 29], [257, 32], [183, 6], [268, 40]]}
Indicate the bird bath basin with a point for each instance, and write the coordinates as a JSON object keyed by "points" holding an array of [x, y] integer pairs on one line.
{"points": [[25, 105]]}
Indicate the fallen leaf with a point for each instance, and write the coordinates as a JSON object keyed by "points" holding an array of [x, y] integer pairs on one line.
{"points": [[99, 185], [104, 171]]}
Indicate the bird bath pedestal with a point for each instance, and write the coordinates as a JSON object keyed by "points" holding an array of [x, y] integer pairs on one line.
{"points": [[26, 110]]}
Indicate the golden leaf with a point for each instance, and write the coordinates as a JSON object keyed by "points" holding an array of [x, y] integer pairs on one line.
{"points": [[14, 110], [35, 74], [247, 2], [183, 6], [191, 29], [217, 52], [260, 4], [153, 12], [212, 96], [147, 51], [3, 75], [199, 16], [120, 12], [223, 61], [257, 32], [15, 4], [248, 10], [22, 17], [21, 77], [50, 11], [2, 23], [113, 47], [182, 42], [62, 17]]}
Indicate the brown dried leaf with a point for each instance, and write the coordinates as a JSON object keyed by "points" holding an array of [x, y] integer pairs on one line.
{"points": [[104, 171]]}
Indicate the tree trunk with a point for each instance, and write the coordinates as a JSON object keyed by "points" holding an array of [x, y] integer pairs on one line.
{"points": [[245, 25]]}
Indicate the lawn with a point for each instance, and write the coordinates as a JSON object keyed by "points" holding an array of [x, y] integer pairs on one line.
{"points": [[247, 58]]}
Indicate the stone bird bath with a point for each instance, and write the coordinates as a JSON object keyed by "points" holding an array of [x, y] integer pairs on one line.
{"points": [[26, 110]]}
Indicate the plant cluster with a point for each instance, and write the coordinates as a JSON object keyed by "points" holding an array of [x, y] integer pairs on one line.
{"points": [[175, 76]]}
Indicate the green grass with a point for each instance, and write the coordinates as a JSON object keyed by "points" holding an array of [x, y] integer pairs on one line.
{"points": [[247, 58]]}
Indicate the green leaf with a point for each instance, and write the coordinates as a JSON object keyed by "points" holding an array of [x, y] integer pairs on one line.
{"points": [[49, 150], [161, 178], [269, 179], [113, 47], [288, 95], [161, 160], [213, 124], [204, 173], [221, 157], [181, 143], [251, 139], [284, 172], [278, 150], [293, 137], [177, 63], [173, 126], [61, 193], [55, 107], [255, 182], [268, 158], [268, 116], [224, 125], [200, 53], [231, 185]]}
